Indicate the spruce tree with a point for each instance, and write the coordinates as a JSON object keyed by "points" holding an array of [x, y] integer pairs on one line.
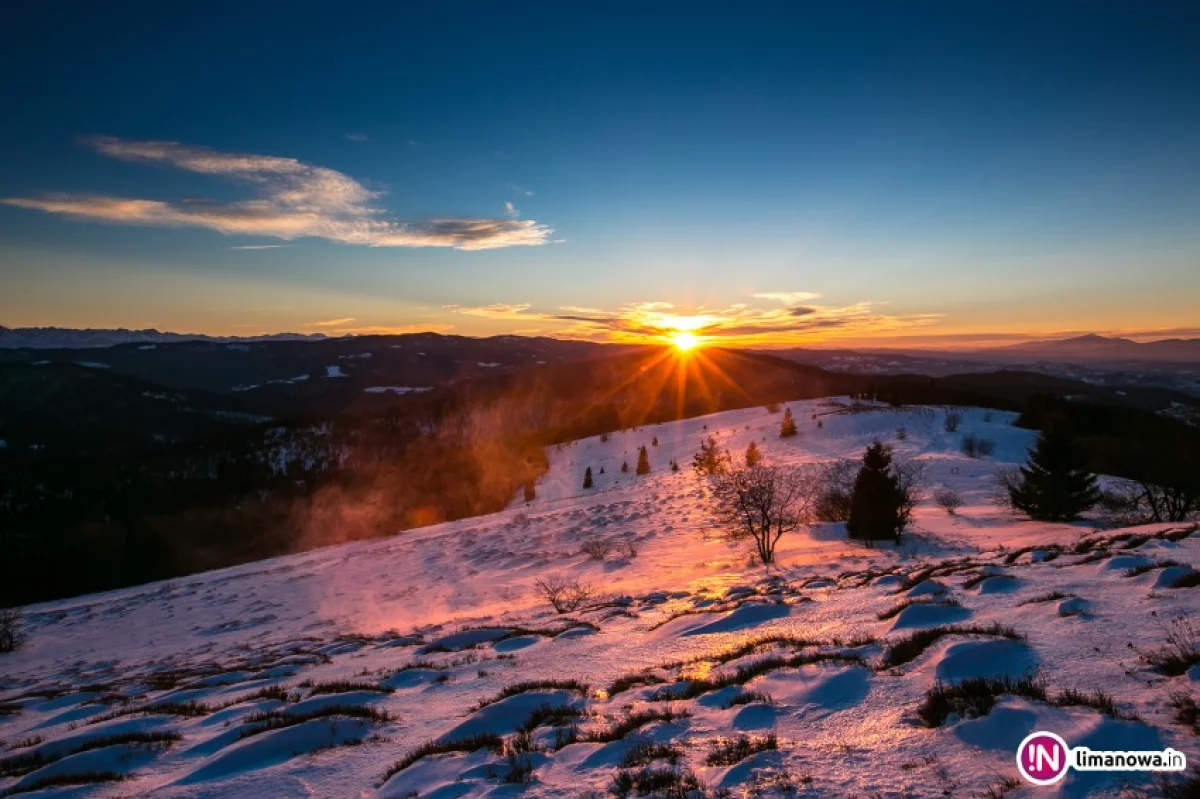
{"points": [[710, 460], [587, 478], [753, 456], [624, 466], [530, 492], [1054, 485], [877, 504], [787, 427], [655, 441], [643, 464]]}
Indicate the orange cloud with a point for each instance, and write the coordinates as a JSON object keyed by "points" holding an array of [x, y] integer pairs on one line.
{"points": [[775, 322]]}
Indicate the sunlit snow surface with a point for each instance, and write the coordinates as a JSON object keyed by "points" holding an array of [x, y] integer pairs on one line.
{"points": [[427, 625]]}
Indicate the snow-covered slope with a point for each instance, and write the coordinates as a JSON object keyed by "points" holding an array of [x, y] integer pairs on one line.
{"points": [[318, 674]]}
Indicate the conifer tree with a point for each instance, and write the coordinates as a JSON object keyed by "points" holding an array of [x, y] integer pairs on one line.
{"points": [[753, 456], [1054, 486], [787, 427], [643, 464], [877, 503], [655, 441], [709, 460], [624, 466], [530, 491], [587, 478]]}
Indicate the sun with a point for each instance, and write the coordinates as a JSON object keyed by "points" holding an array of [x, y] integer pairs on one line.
{"points": [[685, 341]]}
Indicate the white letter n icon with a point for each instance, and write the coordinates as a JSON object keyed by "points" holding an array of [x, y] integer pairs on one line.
{"points": [[1040, 755]]}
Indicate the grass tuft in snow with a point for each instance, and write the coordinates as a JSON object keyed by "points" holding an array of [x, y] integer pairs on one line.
{"points": [[749, 697], [1189, 580], [974, 697], [661, 783], [894, 610], [1097, 700], [690, 689], [728, 753], [911, 646], [644, 753], [66, 780], [1185, 788], [634, 721], [1050, 596], [636, 680], [547, 715], [534, 685], [1146, 567], [1187, 712], [265, 722], [346, 686], [465, 745], [17, 765]]}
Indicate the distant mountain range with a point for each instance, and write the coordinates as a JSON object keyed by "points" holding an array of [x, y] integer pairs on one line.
{"points": [[67, 338], [1103, 348]]}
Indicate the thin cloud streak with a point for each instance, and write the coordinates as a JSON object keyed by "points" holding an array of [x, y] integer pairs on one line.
{"points": [[294, 200]]}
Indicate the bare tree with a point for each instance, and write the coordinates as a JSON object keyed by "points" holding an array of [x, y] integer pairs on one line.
{"points": [[761, 504], [836, 487], [563, 594], [10, 630], [596, 548], [949, 499], [952, 421]]}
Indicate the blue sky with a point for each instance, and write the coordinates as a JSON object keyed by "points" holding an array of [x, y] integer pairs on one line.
{"points": [[819, 173]]}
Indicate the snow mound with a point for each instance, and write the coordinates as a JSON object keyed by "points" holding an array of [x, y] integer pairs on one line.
{"points": [[993, 658]]}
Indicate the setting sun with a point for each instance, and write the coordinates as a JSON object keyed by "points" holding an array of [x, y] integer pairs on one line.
{"points": [[685, 341]]}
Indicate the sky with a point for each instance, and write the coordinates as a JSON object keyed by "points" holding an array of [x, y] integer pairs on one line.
{"points": [[816, 174]]}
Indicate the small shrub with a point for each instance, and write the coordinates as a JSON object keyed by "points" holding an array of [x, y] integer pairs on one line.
{"points": [[975, 447], [1179, 653], [951, 421], [836, 487], [949, 500], [563, 594], [1187, 712], [596, 548]]}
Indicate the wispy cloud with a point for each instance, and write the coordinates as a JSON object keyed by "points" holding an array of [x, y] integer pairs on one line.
{"points": [[497, 311], [786, 297], [520, 190], [332, 322], [356, 137], [261, 247], [511, 211], [740, 324], [293, 200]]}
